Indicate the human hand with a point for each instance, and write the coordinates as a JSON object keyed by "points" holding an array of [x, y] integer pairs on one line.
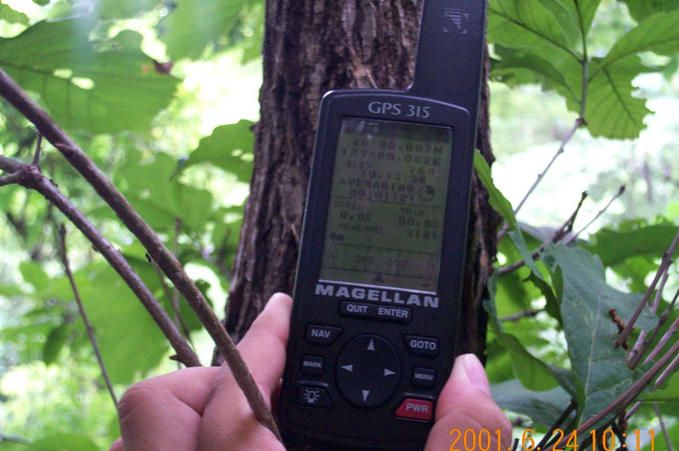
{"points": [[203, 408]]}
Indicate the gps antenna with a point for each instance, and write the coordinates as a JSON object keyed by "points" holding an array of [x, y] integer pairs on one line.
{"points": [[450, 52]]}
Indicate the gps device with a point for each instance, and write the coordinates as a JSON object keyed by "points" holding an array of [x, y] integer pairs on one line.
{"points": [[379, 276]]}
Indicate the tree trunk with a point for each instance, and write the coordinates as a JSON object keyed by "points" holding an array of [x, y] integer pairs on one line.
{"points": [[310, 47]]}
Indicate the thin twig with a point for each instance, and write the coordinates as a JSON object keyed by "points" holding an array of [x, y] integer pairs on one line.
{"points": [[663, 427], [574, 237], [666, 373], [31, 177], [627, 396], [520, 315], [562, 231], [148, 238], [63, 256], [635, 354], [13, 439], [564, 416], [644, 342], [578, 122], [38, 145], [664, 264], [175, 292]]}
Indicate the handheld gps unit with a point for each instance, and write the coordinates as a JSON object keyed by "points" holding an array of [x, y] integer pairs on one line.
{"points": [[379, 277]]}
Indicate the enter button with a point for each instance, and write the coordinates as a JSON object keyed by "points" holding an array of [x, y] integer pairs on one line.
{"points": [[415, 409]]}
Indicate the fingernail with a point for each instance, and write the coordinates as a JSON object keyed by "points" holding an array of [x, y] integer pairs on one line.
{"points": [[473, 369]]}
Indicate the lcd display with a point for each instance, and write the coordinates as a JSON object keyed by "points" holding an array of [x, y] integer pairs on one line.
{"points": [[387, 204]]}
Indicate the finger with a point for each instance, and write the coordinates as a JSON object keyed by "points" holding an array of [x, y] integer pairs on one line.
{"points": [[164, 412], [465, 404], [117, 445], [228, 419]]}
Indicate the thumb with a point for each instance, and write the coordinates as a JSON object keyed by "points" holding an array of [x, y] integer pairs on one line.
{"points": [[465, 407]]}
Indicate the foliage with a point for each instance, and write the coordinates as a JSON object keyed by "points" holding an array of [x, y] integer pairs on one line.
{"points": [[89, 64]]}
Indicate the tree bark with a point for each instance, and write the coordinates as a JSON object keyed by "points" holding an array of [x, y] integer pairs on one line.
{"points": [[310, 47]]}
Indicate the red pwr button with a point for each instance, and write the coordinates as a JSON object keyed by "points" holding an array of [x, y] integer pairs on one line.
{"points": [[415, 409]]}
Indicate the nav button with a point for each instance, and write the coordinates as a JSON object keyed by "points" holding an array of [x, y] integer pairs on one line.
{"points": [[321, 335]]}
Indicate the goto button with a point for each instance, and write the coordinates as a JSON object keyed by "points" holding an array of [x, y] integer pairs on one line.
{"points": [[427, 346], [415, 409]]}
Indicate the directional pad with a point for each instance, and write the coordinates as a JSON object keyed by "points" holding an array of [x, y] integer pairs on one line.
{"points": [[368, 371]]}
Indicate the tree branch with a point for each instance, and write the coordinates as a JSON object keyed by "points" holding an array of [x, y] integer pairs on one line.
{"points": [[643, 342], [562, 147], [663, 427], [148, 238], [664, 264], [627, 396], [30, 177], [565, 229], [63, 256]]}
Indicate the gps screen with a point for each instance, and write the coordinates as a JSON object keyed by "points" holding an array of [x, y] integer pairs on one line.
{"points": [[387, 204]]}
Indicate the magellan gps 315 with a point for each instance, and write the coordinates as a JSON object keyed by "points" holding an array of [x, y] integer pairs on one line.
{"points": [[378, 284]]}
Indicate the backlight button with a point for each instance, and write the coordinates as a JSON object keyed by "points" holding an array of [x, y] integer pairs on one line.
{"points": [[312, 396]]}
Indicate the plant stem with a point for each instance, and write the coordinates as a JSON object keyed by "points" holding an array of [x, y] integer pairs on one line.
{"points": [[565, 228], [664, 264], [541, 176], [627, 396], [63, 256], [621, 190], [148, 238], [31, 177], [663, 427]]}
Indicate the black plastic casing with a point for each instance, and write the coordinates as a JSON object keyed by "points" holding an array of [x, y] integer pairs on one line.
{"points": [[378, 427], [446, 84]]}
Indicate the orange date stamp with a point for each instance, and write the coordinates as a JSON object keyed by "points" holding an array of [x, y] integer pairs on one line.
{"points": [[606, 440]]}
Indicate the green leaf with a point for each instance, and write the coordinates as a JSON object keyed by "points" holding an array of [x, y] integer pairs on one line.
{"points": [[34, 274], [10, 15], [521, 66], [526, 24], [229, 147], [600, 367], [658, 33], [612, 111], [668, 391], [586, 10], [614, 247], [54, 343], [497, 200], [532, 372], [195, 24], [100, 91], [65, 442], [161, 199], [121, 9], [641, 9], [543, 407], [658, 443], [130, 341]]}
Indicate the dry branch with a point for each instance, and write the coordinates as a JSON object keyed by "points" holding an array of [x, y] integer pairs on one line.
{"points": [[148, 238], [30, 177]]}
